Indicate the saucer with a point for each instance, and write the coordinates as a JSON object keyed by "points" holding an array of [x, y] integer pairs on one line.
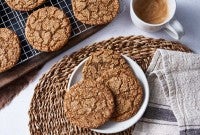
{"points": [[112, 126]]}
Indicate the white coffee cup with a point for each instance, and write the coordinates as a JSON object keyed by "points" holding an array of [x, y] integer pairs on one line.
{"points": [[170, 25]]}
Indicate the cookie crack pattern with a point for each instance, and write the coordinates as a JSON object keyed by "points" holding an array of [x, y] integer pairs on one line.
{"points": [[88, 104], [24, 5], [95, 12], [102, 61], [9, 49], [109, 2], [48, 29], [113, 71]]}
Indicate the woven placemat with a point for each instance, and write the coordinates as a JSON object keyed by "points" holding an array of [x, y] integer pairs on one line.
{"points": [[46, 109]]}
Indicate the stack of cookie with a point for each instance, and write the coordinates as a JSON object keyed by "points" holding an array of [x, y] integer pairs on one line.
{"points": [[109, 91], [48, 29]]}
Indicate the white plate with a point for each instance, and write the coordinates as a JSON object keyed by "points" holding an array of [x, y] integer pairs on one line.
{"points": [[111, 126]]}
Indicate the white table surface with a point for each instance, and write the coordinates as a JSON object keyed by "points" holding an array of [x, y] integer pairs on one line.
{"points": [[14, 117]]}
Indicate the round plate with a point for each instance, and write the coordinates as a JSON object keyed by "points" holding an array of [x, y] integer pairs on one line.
{"points": [[112, 126]]}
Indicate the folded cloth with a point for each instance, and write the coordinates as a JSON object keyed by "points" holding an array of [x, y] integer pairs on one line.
{"points": [[174, 106]]}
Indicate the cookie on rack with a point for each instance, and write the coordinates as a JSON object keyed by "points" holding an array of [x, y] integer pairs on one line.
{"points": [[127, 92], [88, 104], [95, 12], [24, 5], [101, 61], [9, 49], [48, 29]]}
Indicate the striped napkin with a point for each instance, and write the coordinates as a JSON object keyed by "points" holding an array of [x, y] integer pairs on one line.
{"points": [[174, 107]]}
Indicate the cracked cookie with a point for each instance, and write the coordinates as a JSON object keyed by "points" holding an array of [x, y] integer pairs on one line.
{"points": [[48, 29], [24, 5], [127, 92], [95, 12], [88, 104], [9, 49], [101, 61]]}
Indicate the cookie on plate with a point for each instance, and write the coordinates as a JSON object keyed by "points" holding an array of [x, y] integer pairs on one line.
{"points": [[127, 92], [95, 12], [88, 104], [101, 61], [24, 5], [9, 49], [48, 29]]}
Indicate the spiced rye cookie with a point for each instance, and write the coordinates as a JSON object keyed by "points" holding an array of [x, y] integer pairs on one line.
{"points": [[48, 29], [127, 92], [24, 5], [101, 61], [95, 12], [88, 104], [9, 49]]}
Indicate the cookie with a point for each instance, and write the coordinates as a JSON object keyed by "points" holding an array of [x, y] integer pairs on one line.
{"points": [[101, 61], [88, 104], [48, 29], [24, 5], [95, 12], [127, 92], [9, 49]]}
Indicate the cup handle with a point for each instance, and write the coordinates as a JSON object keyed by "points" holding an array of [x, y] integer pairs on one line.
{"points": [[174, 29]]}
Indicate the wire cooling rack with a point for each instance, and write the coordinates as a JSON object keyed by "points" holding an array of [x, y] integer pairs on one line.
{"points": [[16, 20]]}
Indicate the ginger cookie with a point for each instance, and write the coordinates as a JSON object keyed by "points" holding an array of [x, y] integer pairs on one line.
{"points": [[9, 49], [127, 92], [88, 104], [101, 61], [95, 12], [48, 29], [24, 5]]}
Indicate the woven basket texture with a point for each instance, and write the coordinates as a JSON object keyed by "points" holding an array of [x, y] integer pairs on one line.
{"points": [[46, 112]]}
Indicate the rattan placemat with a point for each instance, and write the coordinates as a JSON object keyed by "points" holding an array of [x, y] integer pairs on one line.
{"points": [[46, 110]]}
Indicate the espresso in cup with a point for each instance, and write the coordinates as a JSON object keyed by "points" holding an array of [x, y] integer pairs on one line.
{"points": [[151, 11]]}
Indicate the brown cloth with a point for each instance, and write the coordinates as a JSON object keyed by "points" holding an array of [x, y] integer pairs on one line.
{"points": [[8, 92]]}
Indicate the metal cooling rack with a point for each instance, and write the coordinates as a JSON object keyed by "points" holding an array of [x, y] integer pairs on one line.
{"points": [[16, 20]]}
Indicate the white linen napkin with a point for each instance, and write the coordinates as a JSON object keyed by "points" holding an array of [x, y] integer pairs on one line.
{"points": [[174, 107]]}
